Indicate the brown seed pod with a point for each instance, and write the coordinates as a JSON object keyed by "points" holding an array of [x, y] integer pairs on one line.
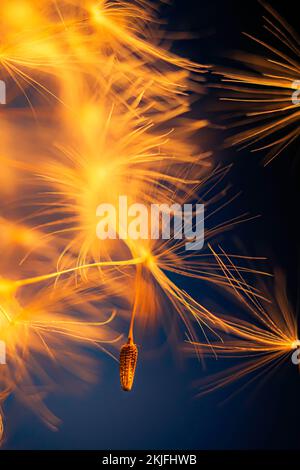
{"points": [[128, 361], [1, 428]]}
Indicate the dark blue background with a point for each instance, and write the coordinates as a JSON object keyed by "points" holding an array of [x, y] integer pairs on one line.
{"points": [[162, 411]]}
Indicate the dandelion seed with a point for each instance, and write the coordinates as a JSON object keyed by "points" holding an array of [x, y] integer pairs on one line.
{"points": [[1, 428], [128, 361]]}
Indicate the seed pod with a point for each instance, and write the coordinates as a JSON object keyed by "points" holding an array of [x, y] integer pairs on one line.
{"points": [[128, 361], [1, 428]]}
